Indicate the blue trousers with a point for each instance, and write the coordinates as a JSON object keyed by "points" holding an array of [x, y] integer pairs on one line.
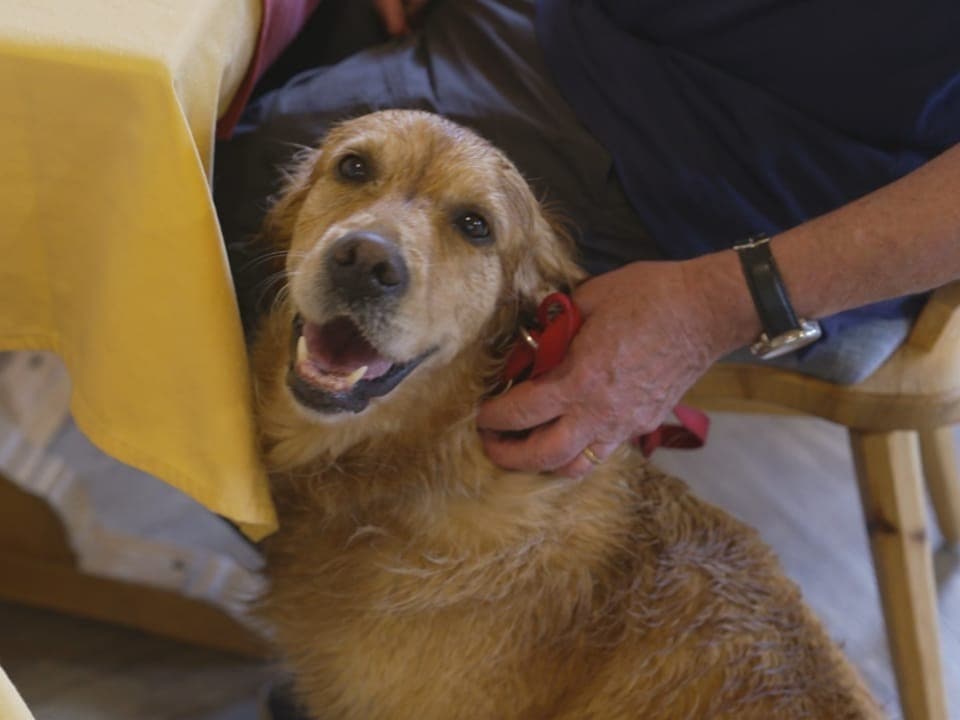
{"points": [[478, 63]]}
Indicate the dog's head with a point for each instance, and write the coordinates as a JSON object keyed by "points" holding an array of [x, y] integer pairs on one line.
{"points": [[411, 244]]}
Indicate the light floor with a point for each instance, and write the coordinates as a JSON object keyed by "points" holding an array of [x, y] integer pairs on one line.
{"points": [[790, 478]]}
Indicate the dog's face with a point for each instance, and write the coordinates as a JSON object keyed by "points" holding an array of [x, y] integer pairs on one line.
{"points": [[409, 240]]}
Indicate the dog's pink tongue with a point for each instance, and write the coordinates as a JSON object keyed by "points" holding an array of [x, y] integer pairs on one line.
{"points": [[338, 347]]}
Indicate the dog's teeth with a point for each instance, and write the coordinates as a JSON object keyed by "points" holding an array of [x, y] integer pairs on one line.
{"points": [[301, 349], [354, 377]]}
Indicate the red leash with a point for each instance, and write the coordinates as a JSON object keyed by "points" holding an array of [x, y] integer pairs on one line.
{"points": [[538, 350]]}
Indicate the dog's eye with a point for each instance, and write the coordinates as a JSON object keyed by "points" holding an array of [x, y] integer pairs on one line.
{"points": [[353, 168], [474, 226]]}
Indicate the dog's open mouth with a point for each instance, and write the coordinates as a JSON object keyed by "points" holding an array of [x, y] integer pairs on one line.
{"points": [[334, 368]]}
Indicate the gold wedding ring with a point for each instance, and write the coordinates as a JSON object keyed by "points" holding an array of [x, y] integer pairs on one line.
{"points": [[591, 456]]}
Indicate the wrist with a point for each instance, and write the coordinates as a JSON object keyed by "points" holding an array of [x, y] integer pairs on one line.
{"points": [[717, 284]]}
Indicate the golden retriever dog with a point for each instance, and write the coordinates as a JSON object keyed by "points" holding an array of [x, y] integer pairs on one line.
{"points": [[412, 578]]}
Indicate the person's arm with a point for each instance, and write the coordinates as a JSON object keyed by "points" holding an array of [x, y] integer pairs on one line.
{"points": [[651, 329], [397, 14]]}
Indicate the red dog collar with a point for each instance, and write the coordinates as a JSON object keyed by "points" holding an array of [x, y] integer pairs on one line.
{"points": [[538, 350]]}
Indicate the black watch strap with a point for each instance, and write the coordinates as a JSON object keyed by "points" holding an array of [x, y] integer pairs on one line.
{"points": [[766, 286]]}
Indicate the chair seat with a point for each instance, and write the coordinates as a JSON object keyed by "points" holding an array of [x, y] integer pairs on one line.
{"points": [[917, 388], [889, 400]]}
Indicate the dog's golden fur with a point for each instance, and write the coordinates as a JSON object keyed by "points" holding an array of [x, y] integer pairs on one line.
{"points": [[411, 578]]}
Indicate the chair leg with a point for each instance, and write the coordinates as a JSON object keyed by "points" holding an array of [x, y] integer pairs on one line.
{"points": [[941, 468], [891, 490]]}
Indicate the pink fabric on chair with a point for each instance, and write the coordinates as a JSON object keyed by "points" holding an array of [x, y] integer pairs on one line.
{"points": [[282, 20]]}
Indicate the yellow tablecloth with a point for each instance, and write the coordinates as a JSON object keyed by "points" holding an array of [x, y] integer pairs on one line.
{"points": [[110, 253]]}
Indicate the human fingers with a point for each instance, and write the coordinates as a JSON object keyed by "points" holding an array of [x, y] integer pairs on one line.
{"points": [[525, 406], [587, 460], [547, 447]]}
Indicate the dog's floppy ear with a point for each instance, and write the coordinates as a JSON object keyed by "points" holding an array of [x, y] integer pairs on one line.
{"points": [[280, 220], [261, 259], [549, 263], [545, 264]]}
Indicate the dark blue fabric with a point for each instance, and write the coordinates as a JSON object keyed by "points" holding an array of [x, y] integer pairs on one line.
{"points": [[730, 117]]}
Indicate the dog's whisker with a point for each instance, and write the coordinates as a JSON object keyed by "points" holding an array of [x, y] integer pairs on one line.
{"points": [[262, 258], [280, 298], [272, 285]]}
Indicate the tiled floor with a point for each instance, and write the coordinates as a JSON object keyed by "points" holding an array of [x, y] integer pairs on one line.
{"points": [[791, 478]]}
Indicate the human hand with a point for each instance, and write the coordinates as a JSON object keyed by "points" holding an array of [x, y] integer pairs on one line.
{"points": [[648, 333], [396, 14]]}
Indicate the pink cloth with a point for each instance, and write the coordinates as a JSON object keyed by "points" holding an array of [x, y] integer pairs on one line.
{"points": [[282, 20]]}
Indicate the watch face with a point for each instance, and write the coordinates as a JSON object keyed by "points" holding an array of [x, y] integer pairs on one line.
{"points": [[752, 242], [766, 348]]}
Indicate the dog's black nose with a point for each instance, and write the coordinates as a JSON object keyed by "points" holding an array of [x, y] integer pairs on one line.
{"points": [[366, 266]]}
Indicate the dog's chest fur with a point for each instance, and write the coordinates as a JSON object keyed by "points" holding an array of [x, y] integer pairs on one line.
{"points": [[501, 599], [431, 592]]}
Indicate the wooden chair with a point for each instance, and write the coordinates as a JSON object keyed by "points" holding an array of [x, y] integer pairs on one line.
{"points": [[899, 424]]}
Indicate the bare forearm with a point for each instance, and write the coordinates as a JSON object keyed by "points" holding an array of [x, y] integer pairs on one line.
{"points": [[901, 239], [652, 328]]}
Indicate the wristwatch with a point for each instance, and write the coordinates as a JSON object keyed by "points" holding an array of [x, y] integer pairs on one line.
{"points": [[783, 332]]}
